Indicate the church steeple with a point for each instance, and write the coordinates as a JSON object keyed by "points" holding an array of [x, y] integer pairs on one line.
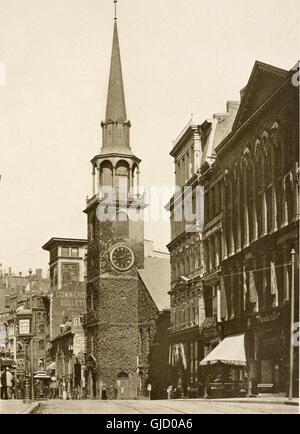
{"points": [[116, 127], [115, 108], [116, 165]]}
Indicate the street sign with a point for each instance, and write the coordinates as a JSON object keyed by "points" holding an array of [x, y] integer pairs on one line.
{"points": [[24, 327]]}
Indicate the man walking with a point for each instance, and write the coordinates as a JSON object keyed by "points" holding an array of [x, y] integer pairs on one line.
{"points": [[9, 383], [3, 385]]}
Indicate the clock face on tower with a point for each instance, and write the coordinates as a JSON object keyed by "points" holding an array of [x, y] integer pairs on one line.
{"points": [[122, 257]]}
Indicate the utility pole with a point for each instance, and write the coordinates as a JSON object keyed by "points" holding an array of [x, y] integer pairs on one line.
{"points": [[292, 298], [32, 337]]}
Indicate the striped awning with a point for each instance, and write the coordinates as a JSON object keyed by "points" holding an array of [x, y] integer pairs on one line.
{"points": [[231, 351]]}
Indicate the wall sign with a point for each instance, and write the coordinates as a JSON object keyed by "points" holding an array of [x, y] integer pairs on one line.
{"points": [[24, 326]]}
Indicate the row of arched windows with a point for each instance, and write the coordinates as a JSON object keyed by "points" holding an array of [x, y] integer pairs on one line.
{"points": [[122, 176]]}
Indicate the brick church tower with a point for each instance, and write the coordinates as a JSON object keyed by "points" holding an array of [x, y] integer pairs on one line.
{"points": [[121, 314]]}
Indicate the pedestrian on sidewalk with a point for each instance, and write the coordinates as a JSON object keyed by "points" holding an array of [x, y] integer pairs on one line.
{"points": [[170, 392], [9, 383], [3, 385], [104, 393]]}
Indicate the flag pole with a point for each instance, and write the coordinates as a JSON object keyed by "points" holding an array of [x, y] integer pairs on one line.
{"points": [[292, 326]]}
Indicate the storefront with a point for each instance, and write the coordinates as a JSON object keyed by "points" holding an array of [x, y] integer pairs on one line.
{"points": [[185, 375], [268, 352], [225, 368]]}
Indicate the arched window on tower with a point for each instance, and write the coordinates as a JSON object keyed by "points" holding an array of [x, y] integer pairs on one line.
{"points": [[135, 179], [122, 177], [122, 225], [106, 174]]}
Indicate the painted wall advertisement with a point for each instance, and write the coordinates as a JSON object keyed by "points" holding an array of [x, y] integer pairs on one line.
{"points": [[66, 304]]}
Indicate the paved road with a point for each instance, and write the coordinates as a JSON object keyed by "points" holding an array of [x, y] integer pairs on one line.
{"points": [[12, 406], [161, 407]]}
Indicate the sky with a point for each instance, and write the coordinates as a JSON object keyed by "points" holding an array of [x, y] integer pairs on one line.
{"points": [[179, 57]]}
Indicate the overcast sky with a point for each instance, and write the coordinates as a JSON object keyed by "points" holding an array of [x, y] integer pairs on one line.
{"points": [[179, 57]]}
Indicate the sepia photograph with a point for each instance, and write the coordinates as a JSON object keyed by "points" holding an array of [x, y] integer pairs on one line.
{"points": [[149, 190]]}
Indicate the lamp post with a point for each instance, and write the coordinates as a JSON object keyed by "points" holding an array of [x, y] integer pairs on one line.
{"points": [[24, 321], [31, 342], [292, 326]]}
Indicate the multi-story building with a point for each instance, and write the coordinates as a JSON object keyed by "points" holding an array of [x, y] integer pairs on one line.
{"points": [[213, 131], [17, 289], [66, 305], [192, 308], [67, 261], [257, 166], [186, 263]]}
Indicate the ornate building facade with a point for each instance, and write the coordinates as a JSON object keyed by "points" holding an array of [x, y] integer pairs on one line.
{"points": [[257, 166], [193, 329]]}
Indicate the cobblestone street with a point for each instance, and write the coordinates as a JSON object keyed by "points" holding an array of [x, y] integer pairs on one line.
{"points": [[162, 407]]}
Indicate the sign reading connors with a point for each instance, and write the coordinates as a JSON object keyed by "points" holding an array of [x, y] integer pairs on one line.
{"points": [[67, 303]]}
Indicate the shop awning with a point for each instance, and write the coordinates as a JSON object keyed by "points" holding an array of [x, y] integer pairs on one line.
{"points": [[231, 351], [5, 361], [41, 375], [51, 367]]}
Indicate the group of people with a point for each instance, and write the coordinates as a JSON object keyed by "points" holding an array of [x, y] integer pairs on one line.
{"points": [[65, 389], [7, 384]]}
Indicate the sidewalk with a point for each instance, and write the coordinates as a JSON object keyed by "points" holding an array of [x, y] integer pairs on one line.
{"points": [[260, 399], [16, 406]]}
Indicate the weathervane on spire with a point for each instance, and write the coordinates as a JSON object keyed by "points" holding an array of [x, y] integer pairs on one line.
{"points": [[115, 2]]}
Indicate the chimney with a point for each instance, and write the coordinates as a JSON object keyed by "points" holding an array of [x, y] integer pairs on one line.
{"points": [[242, 92], [232, 106]]}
